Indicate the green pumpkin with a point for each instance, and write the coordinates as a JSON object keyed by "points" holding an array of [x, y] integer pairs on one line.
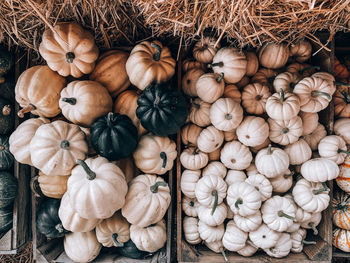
{"points": [[6, 219], [8, 189], [114, 136], [6, 61], [6, 157], [161, 110], [47, 221], [7, 116], [131, 251], [7, 91]]}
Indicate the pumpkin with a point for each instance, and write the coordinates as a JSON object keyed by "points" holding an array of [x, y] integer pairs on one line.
{"points": [[147, 200], [316, 136], [285, 81], [282, 247], [340, 70], [110, 71], [329, 78], [209, 139], [212, 219], [271, 161], [6, 62], [215, 168], [302, 69], [149, 62], [285, 132], [190, 227], [282, 106], [6, 219], [128, 167], [210, 233], [129, 250], [92, 179], [149, 238], [69, 49], [55, 147], [342, 103], [273, 55], [82, 246], [251, 169], [210, 191], [38, 91], [190, 206], [341, 210], [248, 250], [6, 116], [230, 136], [193, 159], [264, 237], [234, 238], [254, 97], [82, 102], [8, 189], [210, 87], [231, 62], [189, 81], [53, 186], [248, 223], [242, 83], [243, 198], [226, 114], [314, 94], [234, 176], [155, 154], [256, 149], [310, 122], [190, 133], [161, 110], [91, 150], [252, 63], [264, 76], [205, 49], [21, 137], [189, 180], [262, 184], [343, 180], [126, 103], [298, 152], [47, 221], [301, 50], [6, 157], [312, 222], [113, 231], [334, 148], [298, 240], [200, 113], [319, 170], [310, 196], [235, 155], [341, 128], [341, 239], [232, 91], [252, 131], [71, 220], [190, 63]]}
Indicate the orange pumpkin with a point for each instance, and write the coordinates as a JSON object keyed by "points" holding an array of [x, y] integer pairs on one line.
{"points": [[340, 71], [342, 102], [341, 210], [343, 180], [232, 91], [341, 239]]}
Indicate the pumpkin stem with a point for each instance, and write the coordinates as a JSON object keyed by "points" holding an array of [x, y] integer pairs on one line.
{"points": [[285, 130], [220, 78], [287, 175], [6, 110], [110, 119], [217, 64], [292, 85], [115, 241], [196, 105], [154, 188], [195, 151], [164, 158], [192, 203], [26, 109], [343, 151], [282, 94], [224, 255], [312, 225], [156, 56], [65, 144], [282, 214], [238, 202], [310, 67], [269, 149], [346, 97], [71, 101], [324, 189], [309, 242], [228, 116], [70, 57], [59, 228], [90, 173], [320, 93], [215, 194], [2, 147], [341, 83]]}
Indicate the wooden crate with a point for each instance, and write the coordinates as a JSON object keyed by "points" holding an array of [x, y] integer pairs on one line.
{"points": [[320, 252], [17, 237]]}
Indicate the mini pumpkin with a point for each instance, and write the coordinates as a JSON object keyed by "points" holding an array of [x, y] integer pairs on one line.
{"points": [[234, 238], [190, 227], [200, 112], [282, 106], [334, 148], [283, 182], [341, 210], [234, 176], [189, 81], [235, 155], [285, 81], [341, 239], [210, 87], [190, 63], [298, 152], [342, 103], [190, 206], [248, 223], [190, 133], [226, 114], [312, 222], [6, 157], [205, 49], [215, 168], [285, 132], [310, 122], [232, 91], [8, 189], [254, 97], [343, 180], [273, 55], [210, 233], [53, 186], [193, 159], [252, 63], [301, 50], [262, 184], [253, 131], [316, 136], [264, 76], [282, 247], [264, 237], [271, 161], [210, 139], [341, 128], [212, 219], [319, 170], [189, 180]]}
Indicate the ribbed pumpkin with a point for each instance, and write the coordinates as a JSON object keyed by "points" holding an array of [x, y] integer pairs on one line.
{"points": [[8, 189], [110, 71], [114, 136], [53, 186], [205, 49], [254, 97], [341, 210], [189, 81], [6, 219], [343, 180], [6, 116], [161, 110], [6, 157], [342, 103], [273, 55], [341, 239]]}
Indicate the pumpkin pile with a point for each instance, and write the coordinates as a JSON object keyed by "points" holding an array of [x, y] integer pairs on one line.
{"points": [[255, 157], [99, 163]]}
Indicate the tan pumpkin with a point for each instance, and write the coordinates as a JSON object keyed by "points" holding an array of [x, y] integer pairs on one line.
{"points": [[128, 167], [190, 63], [189, 81], [285, 132], [232, 91], [253, 131], [310, 122], [53, 186], [91, 150], [254, 97], [215, 155], [82, 102], [149, 62], [210, 139], [256, 149], [301, 50], [226, 114], [126, 103], [298, 152], [200, 112], [230, 135], [273, 56], [316, 136], [282, 106], [210, 87], [301, 69], [193, 159], [285, 81], [111, 73], [190, 133], [69, 49], [264, 76], [231, 62], [243, 82], [205, 49], [252, 63], [38, 91], [342, 103]]}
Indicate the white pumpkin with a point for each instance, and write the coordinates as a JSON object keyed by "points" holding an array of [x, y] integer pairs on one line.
{"points": [[342, 129], [282, 106], [316, 136], [235, 155], [210, 233], [285, 81], [193, 159], [200, 113], [217, 247], [312, 222], [215, 168], [190, 227], [210, 139], [262, 184], [283, 182], [282, 247], [271, 161], [333, 147], [298, 240], [319, 170], [285, 132], [190, 206], [264, 237], [212, 219], [234, 176], [248, 250], [189, 180], [251, 169], [252, 131], [248, 223], [210, 87], [226, 114], [234, 238], [298, 152]]}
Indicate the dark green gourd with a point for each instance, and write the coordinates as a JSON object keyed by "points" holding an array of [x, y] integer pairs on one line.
{"points": [[8, 189], [6, 157]]}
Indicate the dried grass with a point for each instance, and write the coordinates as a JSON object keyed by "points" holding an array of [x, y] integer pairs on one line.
{"points": [[24, 256]]}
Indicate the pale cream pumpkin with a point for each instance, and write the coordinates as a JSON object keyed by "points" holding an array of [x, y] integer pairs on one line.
{"points": [[342, 128], [189, 81], [316, 136], [264, 237], [226, 114], [327, 77], [210, 87], [248, 223], [312, 222], [56, 146], [189, 180], [235, 155], [301, 50], [234, 176], [310, 122], [53, 186], [282, 106], [298, 152], [252, 63], [254, 97], [248, 250], [252, 131], [234, 238], [200, 112], [271, 161], [190, 133], [189, 206], [215, 168], [232, 91], [190, 227], [210, 233], [210, 139], [285, 132], [215, 218], [262, 184], [319, 170], [82, 102], [149, 62], [192, 158], [285, 81], [282, 183], [282, 247], [38, 91], [147, 200], [334, 148], [205, 49], [69, 49], [273, 55], [256, 149]]}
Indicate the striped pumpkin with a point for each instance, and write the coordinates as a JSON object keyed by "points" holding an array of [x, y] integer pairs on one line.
{"points": [[343, 180], [341, 239], [341, 210]]}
